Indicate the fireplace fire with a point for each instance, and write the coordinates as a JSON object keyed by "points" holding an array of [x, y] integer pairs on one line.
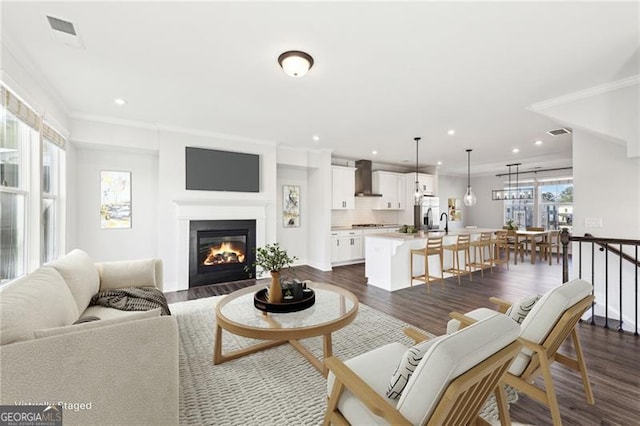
{"points": [[225, 252], [220, 250]]}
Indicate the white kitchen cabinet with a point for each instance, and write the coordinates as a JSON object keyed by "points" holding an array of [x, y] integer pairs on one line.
{"points": [[346, 246], [392, 187], [427, 185], [343, 188]]}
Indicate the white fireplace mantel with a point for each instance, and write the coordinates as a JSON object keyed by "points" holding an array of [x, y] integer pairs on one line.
{"points": [[188, 210]]}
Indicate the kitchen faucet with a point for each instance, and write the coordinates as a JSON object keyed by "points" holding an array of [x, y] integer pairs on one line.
{"points": [[446, 224]]}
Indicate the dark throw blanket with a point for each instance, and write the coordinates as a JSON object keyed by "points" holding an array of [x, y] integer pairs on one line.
{"points": [[132, 299]]}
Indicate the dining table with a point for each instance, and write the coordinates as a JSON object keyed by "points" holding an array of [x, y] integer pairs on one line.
{"points": [[534, 237]]}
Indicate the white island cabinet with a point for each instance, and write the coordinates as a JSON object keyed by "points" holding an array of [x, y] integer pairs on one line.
{"points": [[387, 257]]}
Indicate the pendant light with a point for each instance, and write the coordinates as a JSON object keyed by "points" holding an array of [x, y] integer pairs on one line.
{"points": [[417, 195], [469, 198]]}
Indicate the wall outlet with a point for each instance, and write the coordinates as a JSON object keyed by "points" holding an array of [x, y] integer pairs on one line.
{"points": [[593, 222]]}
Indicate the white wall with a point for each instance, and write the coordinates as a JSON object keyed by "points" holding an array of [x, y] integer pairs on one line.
{"points": [[319, 184], [140, 240], [453, 187], [607, 188], [486, 213], [294, 240]]}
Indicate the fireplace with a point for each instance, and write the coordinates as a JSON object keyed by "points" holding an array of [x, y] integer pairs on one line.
{"points": [[219, 251]]}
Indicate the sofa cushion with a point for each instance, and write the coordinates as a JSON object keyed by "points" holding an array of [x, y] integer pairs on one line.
{"points": [[41, 299], [519, 310], [129, 273], [406, 366], [375, 368], [450, 357], [80, 274], [132, 316]]}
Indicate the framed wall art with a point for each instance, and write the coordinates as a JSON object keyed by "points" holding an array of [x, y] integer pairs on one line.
{"points": [[290, 206], [115, 200]]}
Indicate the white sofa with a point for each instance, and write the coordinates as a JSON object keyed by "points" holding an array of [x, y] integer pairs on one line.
{"points": [[122, 369]]}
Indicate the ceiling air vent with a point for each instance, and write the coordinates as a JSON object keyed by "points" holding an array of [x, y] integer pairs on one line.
{"points": [[62, 26], [558, 132], [65, 32]]}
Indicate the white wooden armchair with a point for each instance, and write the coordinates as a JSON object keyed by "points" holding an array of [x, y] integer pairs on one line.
{"points": [[549, 323], [449, 386]]}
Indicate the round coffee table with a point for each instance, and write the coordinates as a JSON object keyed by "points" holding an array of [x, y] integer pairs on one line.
{"points": [[334, 308]]}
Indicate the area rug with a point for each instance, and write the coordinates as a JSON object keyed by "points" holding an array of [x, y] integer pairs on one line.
{"points": [[273, 387]]}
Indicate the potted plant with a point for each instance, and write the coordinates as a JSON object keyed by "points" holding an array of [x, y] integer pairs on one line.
{"points": [[272, 258], [511, 224]]}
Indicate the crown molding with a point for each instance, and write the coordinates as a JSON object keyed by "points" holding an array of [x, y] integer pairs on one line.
{"points": [[586, 93]]}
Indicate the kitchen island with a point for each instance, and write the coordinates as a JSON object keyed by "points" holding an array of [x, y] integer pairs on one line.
{"points": [[387, 256]]}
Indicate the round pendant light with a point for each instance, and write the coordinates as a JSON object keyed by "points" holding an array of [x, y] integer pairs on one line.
{"points": [[295, 63]]}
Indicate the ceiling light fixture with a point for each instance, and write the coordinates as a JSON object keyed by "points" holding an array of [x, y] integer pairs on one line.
{"points": [[469, 198], [120, 101], [439, 163], [451, 132], [417, 195], [295, 63], [538, 142], [315, 138], [515, 150], [374, 152]]}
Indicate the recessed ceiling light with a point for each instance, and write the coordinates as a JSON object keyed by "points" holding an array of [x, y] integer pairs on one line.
{"points": [[451, 132], [439, 163], [538, 142], [374, 152], [120, 101], [515, 150], [316, 138]]}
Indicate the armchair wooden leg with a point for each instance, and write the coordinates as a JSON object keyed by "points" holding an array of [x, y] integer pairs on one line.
{"points": [[332, 403], [503, 407], [582, 366], [552, 400]]}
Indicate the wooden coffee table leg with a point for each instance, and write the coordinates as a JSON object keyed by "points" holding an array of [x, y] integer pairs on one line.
{"points": [[327, 347], [217, 348]]}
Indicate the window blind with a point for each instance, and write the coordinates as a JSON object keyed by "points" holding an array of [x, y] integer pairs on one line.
{"points": [[18, 108], [50, 134]]}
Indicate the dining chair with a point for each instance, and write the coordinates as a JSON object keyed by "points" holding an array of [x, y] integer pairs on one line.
{"points": [[550, 242]]}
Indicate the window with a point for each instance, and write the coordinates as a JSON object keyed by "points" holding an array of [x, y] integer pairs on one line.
{"points": [[16, 137], [521, 207], [556, 204], [50, 195], [31, 214]]}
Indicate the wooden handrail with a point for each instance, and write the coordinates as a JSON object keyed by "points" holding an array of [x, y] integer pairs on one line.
{"points": [[604, 244]]}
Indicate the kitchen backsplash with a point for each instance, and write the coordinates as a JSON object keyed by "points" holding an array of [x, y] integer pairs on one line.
{"points": [[363, 213]]}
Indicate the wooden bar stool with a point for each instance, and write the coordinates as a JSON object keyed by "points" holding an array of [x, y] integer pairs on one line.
{"points": [[480, 246], [433, 248], [461, 245], [500, 246]]}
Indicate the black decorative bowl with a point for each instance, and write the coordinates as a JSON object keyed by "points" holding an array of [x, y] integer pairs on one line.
{"points": [[261, 302]]}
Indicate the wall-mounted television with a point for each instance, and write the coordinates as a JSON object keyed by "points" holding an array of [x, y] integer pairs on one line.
{"points": [[213, 170]]}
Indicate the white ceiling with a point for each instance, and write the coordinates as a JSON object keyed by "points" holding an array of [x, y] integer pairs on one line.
{"points": [[384, 72]]}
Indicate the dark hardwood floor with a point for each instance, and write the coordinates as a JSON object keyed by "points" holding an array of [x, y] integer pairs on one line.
{"points": [[613, 358]]}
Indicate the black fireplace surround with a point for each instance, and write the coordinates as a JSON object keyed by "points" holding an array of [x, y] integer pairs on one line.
{"points": [[219, 251]]}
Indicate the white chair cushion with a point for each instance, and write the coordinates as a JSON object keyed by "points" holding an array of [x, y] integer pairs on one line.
{"points": [[477, 314], [450, 357], [407, 365], [375, 368], [81, 276], [520, 309], [38, 300]]}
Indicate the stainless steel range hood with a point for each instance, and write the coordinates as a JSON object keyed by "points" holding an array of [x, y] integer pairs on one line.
{"points": [[364, 179]]}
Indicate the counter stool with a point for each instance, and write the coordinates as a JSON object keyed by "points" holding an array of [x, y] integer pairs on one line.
{"points": [[480, 247], [461, 245], [500, 246], [433, 248]]}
